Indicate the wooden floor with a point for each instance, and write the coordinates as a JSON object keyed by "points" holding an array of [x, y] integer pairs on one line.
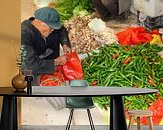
{"points": [[81, 127]]}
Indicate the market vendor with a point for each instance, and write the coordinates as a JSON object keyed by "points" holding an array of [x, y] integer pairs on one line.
{"points": [[41, 37], [112, 9]]}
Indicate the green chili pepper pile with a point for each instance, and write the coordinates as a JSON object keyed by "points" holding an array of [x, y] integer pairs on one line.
{"points": [[126, 66]]}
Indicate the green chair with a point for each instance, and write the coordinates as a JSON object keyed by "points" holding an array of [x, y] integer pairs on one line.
{"points": [[79, 103]]}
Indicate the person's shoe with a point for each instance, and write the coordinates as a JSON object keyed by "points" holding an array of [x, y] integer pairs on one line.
{"points": [[106, 19], [121, 17]]}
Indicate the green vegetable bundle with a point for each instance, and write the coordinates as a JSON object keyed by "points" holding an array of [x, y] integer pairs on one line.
{"points": [[69, 8], [21, 57], [126, 66]]}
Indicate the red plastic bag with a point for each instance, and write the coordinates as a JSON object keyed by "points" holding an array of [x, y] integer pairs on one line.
{"points": [[157, 109], [73, 68], [134, 36]]}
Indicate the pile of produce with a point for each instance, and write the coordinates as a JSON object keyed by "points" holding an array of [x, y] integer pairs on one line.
{"points": [[70, 8], [106, 37], [67, 8], [81, 37], [103, 34], [126, 66]]}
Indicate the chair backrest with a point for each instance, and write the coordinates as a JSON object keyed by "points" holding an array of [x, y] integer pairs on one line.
{"points": [[79, 102], [78, 83]]}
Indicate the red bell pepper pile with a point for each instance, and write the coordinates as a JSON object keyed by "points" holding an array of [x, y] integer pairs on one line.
{"points": [[135, 36]]}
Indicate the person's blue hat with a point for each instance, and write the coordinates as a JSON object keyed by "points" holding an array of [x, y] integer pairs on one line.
{"points": [[50, 16]]}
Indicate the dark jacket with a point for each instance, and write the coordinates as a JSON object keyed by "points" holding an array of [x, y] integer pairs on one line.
{"points": [[41, 52]]}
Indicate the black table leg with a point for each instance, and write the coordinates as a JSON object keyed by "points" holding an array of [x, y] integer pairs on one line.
{"points": [[9, 113], [117, 114], [29, 80]]}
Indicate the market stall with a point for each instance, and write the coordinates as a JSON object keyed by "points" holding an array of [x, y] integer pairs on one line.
{"points": [[132, 57]]}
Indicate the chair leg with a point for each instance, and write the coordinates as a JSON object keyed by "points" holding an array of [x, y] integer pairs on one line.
{"points": [[131, 123], [138, 123], [150, 123], [69, 120], [90, 120], [73, 119]]}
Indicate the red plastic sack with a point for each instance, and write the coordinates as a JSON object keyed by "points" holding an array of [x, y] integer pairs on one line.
{"points": [[73, 68], [55, 79], [157, 109], [134, 36]]}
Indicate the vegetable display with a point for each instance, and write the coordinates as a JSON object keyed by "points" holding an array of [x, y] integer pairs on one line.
{"points": [[126, 66], [110, 64], [69, 8], [81, 37]]}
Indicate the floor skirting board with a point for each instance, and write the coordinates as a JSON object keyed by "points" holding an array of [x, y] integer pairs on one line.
{"points": [[78, 127]]}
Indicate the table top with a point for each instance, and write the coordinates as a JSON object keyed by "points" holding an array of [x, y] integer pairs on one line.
{"points": [[66, 91]]}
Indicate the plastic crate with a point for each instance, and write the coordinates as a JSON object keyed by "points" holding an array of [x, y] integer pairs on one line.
{"points": [[152, 23]]}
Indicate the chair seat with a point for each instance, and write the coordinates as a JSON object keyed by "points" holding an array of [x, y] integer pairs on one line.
{"points": [[79, 102], [140, 113]]}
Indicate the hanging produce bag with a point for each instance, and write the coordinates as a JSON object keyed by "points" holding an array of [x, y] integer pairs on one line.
{"points": [[73, 68], [134, 36]]}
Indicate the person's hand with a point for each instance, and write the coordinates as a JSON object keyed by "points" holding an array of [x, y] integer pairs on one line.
{"points": [[66, 49], [61, 60]]}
